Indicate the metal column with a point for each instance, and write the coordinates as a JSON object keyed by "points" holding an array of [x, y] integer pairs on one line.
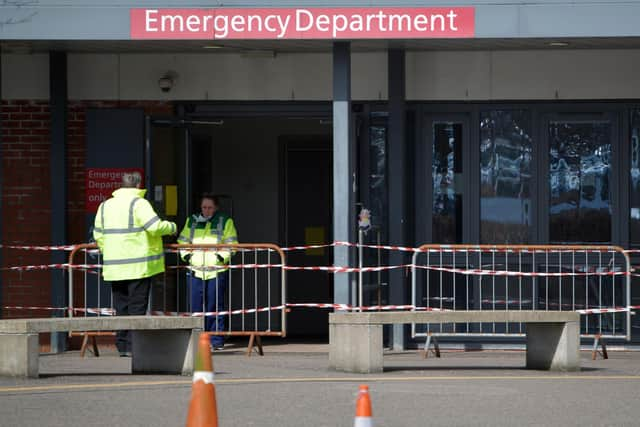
{"points": [[58, 178], [397, 188], [343, 171], [1, 172]]}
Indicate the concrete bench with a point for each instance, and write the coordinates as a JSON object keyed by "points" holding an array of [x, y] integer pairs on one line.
{"points": [[355, 339], [159, 344]]}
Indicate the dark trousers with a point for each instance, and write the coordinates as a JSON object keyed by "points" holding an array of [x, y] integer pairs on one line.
{"points": [[213, 291], [130, 297]]}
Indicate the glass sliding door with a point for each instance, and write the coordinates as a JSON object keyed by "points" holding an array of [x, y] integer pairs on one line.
{"points": [[506, 165], [634, 191], [580, 180], [447, 149], [374, 196]]}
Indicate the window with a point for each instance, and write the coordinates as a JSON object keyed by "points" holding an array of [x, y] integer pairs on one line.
{"points": [[505, 177], [579, 181], [447, 182], [634, 193]]}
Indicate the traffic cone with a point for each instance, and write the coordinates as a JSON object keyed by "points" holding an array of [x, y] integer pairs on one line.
{"points": [[202, 409], [363, 408]]}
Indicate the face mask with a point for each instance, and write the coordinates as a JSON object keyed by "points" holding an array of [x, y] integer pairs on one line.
{"points": [[202, 218]]}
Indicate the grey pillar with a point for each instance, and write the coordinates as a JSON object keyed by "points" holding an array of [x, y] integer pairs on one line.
{"points": [[1, 173], [58, 105], [343, 180], [397, 185]]}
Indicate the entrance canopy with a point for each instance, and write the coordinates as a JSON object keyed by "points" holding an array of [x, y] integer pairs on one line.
{"points": [[274, 20]]}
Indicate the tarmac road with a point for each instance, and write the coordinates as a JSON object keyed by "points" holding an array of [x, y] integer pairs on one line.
{"points": [[293, 387]]}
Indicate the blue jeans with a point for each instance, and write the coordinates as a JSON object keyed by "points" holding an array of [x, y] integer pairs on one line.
{"points": [[214, 290]]}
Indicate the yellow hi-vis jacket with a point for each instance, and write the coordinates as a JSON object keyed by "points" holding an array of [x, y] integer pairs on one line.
{"points": [[129, 235], [206, 264]]}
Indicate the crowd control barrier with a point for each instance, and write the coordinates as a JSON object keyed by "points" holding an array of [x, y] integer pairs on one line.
{"points": [[254, 303], [592, 280]]}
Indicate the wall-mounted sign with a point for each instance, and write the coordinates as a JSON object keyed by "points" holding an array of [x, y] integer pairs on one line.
{"points": [[304, 23], [101, 182]]}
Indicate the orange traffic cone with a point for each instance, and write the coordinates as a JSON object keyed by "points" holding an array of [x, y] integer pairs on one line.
{"points": [[363, 408], [202, 410]]}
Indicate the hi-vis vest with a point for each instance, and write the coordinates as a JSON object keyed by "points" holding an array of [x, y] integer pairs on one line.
{"points": [[129, 235], [219, 229]]}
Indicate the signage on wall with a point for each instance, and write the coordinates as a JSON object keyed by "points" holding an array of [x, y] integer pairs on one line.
{"points": [[101, 182], [303, 23]]}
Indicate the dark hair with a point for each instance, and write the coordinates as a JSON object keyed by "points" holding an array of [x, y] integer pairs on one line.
{"points": [[212, 197]]}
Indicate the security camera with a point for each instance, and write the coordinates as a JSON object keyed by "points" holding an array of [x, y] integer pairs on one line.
{"points": [[165, 83]]}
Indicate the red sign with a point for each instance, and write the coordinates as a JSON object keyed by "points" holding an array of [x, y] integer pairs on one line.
{"points": [[100, 183], [307, 23]]}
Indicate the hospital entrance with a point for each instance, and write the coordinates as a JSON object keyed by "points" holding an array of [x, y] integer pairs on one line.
{"points": [[273, 175]]}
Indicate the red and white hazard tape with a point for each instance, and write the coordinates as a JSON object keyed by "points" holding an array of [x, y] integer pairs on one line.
{"points": [[103, 311], [339, 269], [482, 272], [485, 301], [346, 307], [40, 247], [52, 266], [606, 310], [111, 312], [334, 269], [383, 247], [442, 248]]}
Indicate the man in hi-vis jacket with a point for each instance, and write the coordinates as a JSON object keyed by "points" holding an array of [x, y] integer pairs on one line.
{"points": [[129, 234]]}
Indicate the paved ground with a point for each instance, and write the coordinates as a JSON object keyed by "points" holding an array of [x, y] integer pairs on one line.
{"points": [[291, 386]]}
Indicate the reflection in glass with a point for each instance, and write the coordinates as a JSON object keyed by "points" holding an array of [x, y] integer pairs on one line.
{"points": [[378, 174], [634, 195], [447, 182], [505, 177], [375, 293], [579, 176]]}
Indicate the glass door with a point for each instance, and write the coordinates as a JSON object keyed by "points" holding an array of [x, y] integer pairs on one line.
{"points": [[178, 157], [581, 190], [168, 168], [448, 188], [372, 134], [167, 181]]}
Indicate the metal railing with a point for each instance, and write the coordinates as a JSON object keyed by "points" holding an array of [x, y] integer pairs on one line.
{"points": [[593, 280], [255, 301]]}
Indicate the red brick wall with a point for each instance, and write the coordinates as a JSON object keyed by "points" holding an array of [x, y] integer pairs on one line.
{"points": [[26, 210], [26, 207]]}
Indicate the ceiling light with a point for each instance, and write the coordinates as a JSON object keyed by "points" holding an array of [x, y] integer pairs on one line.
{"points": [[558, 44]]}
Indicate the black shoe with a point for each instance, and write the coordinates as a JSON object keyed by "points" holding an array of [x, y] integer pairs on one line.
{"points": [[216, 347], [125, 354]]}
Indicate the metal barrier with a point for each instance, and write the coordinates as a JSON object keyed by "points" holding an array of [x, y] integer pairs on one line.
{"points": [[256, 291], [254, 303], [594, 280]]}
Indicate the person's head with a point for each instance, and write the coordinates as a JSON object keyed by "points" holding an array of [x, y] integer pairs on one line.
{"points": [[131, 180], [208, 205]]}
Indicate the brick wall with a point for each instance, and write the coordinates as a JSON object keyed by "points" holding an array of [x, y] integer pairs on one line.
{"points": [[26, 210]]}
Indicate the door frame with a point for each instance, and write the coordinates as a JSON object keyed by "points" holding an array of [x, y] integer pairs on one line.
{"points": [[304, 143], [424, 176], [285, 144], [186, 125]]}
